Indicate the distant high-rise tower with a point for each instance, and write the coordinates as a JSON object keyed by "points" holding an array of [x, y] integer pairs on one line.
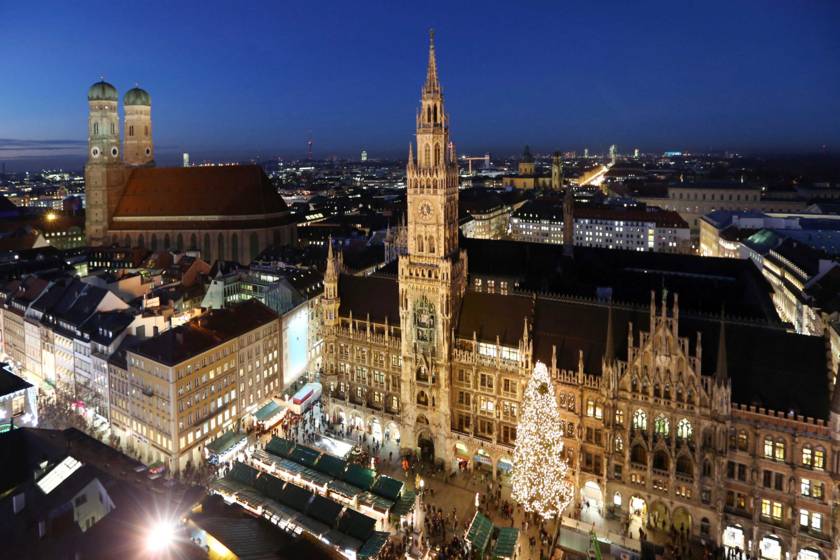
{"points": [[586, 152], [186, 157], [138, 127], [613, 153], [556, 171], [636, 153], [364, 155], [104, 167]]}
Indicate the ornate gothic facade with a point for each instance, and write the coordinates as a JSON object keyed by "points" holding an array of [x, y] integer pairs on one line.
{"points": [[723, 427]]}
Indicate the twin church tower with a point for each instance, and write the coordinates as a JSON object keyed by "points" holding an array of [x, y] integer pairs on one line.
{"points": [[106, 168]]}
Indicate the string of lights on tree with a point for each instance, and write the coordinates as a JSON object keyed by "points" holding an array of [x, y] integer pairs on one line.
{"points": [[539, 478]]}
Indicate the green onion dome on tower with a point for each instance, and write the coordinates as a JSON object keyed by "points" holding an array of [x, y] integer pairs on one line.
{"points": [[102, 91], [137, 96]]}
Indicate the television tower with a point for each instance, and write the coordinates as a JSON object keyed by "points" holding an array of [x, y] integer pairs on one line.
{"points": [[309, 148]]}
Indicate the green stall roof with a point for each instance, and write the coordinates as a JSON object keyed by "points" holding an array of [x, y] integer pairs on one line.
{"points": [[304, 455], [295, 497], [506, 542], [479, 532], [357, 525], [267, 411], [330, 465], [243, 473], [359, 476], [372, 546], [280, 447], [324, 509], [387, 487], [225, 442], [405, 504]]}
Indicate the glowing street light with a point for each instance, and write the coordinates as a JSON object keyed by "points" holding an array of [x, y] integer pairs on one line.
{"points": [[160, 536]]}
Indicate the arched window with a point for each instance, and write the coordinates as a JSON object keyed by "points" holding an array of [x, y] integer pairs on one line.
{"points": [[154, 242], [684, 430], [807, 456], [656, 391], [220, 247], [819, 458], [254, 245], [437, 154], [206, 250], [179, 242], [743, 441], [634, 384], [193, 242], [667, 393], [619, 443], [141, 241], [619, 417], [661, 461], [128, 241], [432, 244], [234, 247], [422, 399], [434, 114], [95, 128], [427, 155], [113, 130], [131, 130], [684, 465], [429, 114], [662, 426], [640, 420], [638, 454], [707, 468], [167, 243]]}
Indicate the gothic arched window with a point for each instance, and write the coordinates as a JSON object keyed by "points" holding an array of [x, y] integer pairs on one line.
{"points": [[427, 155], [220, 242], [684, 429], [95, 128], [662, 425], [434, 114], [419, 243], [437, 154], [254, 244], [432, 244], [640, 420], [131, 130], [234, 248]]}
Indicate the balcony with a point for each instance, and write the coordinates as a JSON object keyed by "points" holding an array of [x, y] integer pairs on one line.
{"points": [[661, 472]]}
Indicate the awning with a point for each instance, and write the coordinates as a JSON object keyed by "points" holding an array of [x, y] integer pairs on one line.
{"points": [[269, 413], [387, 487], [478, 535], [280, 447], [225, 443], [405, 504], [506, 542], [372, 546], [358, 475]]}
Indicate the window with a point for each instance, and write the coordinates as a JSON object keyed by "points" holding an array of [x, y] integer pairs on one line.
{"points": [[619, 417], [819, 458], [594, 410], [807, 456], [742, 440], [779, 450], [640, 420], [768, 447], [684, 429], [619, 443], [662, 426], [771, 510]]}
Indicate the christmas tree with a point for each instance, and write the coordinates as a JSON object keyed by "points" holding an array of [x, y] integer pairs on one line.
{"points": [[540, 473]]}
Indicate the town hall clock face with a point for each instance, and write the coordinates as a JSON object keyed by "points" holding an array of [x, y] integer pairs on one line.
{"points": [[425, 210]]}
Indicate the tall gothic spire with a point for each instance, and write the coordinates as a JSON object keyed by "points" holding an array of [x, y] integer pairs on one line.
{"points": [[609, 350], [432, 84]]}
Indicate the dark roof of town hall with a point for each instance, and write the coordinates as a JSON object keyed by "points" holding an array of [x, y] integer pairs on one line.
{"points": [[205, 332], [768, 356], [704, 285], [376, 295]]}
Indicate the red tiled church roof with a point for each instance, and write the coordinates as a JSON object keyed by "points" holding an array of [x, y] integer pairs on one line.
{"points": [[199, 191]]}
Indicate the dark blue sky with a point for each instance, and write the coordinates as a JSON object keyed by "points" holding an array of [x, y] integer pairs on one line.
{"points": [[256, 78]]}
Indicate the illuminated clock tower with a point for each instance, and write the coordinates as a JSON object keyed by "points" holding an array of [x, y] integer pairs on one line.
{"points": [[432, 275]]}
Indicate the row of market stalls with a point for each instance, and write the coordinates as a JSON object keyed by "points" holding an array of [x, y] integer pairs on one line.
{"points": [[299, 489], [385, 499], [488, 541], [297, 510]]}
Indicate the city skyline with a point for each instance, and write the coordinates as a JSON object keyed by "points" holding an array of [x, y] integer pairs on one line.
{"points": [[585, 77]]}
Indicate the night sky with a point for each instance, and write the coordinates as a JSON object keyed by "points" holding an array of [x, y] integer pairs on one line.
{"points": [[231, 81]]}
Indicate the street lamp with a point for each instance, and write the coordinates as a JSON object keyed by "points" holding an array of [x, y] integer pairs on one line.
{"points": [[160, 536]]}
